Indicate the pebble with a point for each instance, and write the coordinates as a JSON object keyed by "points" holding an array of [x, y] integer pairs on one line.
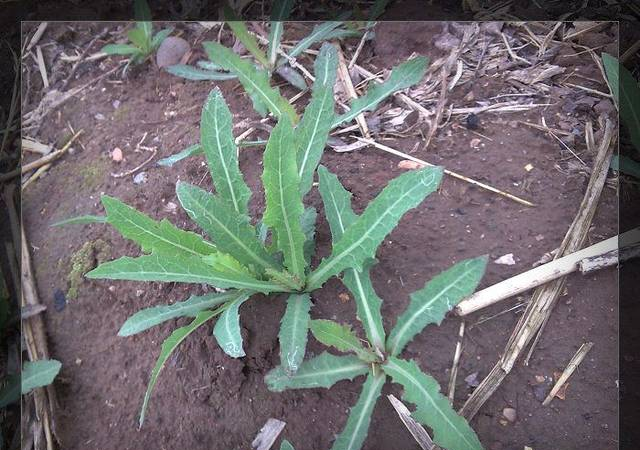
{"points": [[506, 260], [116, 104], [116, 154], [510, 414], [59, 300], [99, 116], [171, 51], [140, 178], [472, 121], [472, 380]]}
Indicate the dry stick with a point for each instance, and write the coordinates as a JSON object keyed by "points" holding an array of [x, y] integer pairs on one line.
{"points": [[354, 58], [511, 52], [592, 91], [547, 40], [448, 172], [456, 363], [42, 67], [417, 431], [568, 371], [81, 58], [544, 297], [343, 72], [268, 434], [135, 169], [39, 162], [36, 37], [439, 108], [535, 277], [14, 101], [37, 174]]}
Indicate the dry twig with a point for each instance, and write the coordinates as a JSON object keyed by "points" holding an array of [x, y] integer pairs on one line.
{"points": [[417, 431], [456, 363], [568, 371]]}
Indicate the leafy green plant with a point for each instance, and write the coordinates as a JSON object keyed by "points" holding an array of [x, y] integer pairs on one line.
{"points": [[142, 42], [34, 374], [380, 358], [270, 257]]}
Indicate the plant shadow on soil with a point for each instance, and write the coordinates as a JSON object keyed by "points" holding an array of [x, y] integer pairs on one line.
{"points": [[206, 400]]}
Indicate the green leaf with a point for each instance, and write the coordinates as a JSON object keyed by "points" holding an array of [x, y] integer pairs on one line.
{"points": [[216, 138], [626, 92], [168, 346], [342, 337], [208, 65], [139, 39], [294, 328], [308, 225], [626, 165], [282, 193], [323, 371], [141, 11], [313, 131], [10, 392], [192, 150], [242, 33], [227, 328], [361, 239], [255, 81], [279, 13], [376, 10], [159, 37], [149, 317], [368, 304], [182, 270], [450, 430], [319, 33], [342, 34], [193, 73], [403, 76], [431, 303], [292, 76], [120, 49], [355, 432], [39, 373], [161, 237], [225, 263], [80, 220], [286, 445], [231, 230]]}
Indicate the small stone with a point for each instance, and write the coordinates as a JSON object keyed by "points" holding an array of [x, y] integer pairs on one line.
{"points": [[539, 237], [540, 392], [510, 414], [112, 288], [116, 104], [528, 167], [472, 121], [140, 178], [408, 164], [475, 143], [59, 300], [116, 154], [540, 379], [506, 260], [170, 208], [78, 361], [472, 380], [99, 116], [344, 297], [139, 292], [171, 51], [470, 97]]}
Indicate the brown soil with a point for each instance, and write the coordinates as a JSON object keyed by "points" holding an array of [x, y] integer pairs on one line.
{"points": [[206, 400]]}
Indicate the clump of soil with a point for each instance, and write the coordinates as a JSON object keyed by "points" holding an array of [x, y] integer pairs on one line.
{"points": [[86, 258]]}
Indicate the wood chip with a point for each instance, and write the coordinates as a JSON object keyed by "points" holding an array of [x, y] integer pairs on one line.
{"points": [[268, 434]]}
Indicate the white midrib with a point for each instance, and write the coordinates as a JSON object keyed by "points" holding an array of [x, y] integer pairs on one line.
{"points": [[417, 384], [328, 372], [223, 161], [370, 399], [375, 335], [294, 258], [347, 345], [250, 81], [311, 140], [277, 32], [424, 307], [251, 253], [294, 327], [335, 260]]}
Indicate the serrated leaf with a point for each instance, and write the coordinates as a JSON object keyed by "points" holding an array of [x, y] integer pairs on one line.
{"points": [[322, 371], [294, 328], [168, 346], [308, 225], [227, 329], [319, 33], [155, 315], [242, 34], [313, 131], [159, 37], [255, 81], [160, 237], [218, 144], [431, 303], [233, 232], [340, 215], [193, 73], [286, 445], [355, 432], [341, 337], [120, 49], [450, 430], [177, 269], [38, 374], [361, 239], [286, 279], [192, 150], [226, 263], [625, 90], [282, 194], [279, 13], [80, 220], [403, 76]]}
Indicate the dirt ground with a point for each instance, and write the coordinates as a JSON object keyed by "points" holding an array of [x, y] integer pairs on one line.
{"points": [[206, 400]]}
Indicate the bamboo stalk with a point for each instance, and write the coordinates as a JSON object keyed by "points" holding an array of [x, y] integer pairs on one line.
{"points": [[448, 172], [568, 371]]}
